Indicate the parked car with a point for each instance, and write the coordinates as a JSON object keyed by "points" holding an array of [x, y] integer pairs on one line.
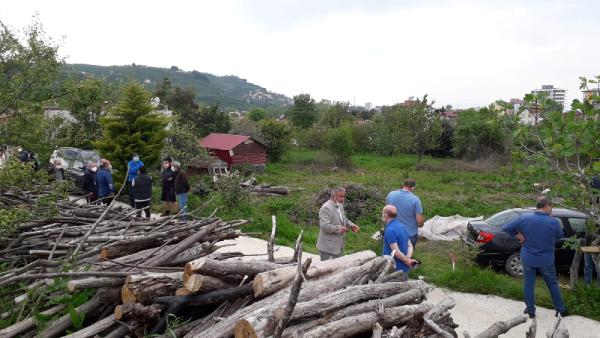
{"points": [[74, 161], [499, 249]]}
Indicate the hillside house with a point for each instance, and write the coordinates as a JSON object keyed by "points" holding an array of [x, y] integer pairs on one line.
{"points": [[236, 150]]}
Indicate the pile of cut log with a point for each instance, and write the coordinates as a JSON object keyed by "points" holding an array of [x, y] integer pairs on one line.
{"points": [[164, 277], [264, 189]]}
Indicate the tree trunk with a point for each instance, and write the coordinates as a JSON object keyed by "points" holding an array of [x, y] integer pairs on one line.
{"points": [[362, 323], [312, 289], [138, 312], [143, 288], [269, 282], [94, 282], [199, 283], [415, 295], [262, 324], [229, 270], [93, 329], [574, 270]]}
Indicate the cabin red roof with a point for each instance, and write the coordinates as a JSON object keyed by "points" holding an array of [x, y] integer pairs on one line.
{"points": [[222, 141]]}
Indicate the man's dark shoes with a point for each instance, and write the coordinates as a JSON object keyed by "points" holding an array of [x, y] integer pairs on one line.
{"points": [[562, 314], [531, 315]]}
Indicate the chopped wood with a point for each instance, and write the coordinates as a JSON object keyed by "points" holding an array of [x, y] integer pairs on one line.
{"points": [[143, 288], [200, 283], [501, 327], [29, 323], [138, 312]]}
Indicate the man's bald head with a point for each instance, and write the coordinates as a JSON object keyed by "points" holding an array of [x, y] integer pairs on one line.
{"points": [[389, 213]]}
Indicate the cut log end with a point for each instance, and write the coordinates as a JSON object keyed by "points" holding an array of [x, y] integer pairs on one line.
{"points": [[257, 285], [127, 296], [244, 329]]}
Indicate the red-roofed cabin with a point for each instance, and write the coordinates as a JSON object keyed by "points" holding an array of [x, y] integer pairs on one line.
{"points": [[236, 149]]}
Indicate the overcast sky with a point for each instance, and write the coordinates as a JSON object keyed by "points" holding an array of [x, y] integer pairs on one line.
{"points": [[463, 53]]}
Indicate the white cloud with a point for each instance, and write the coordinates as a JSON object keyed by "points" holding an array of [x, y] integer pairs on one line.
{"points": [[463, 53]]}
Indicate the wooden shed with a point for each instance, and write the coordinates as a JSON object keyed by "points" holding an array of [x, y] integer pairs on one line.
{"points": [[236, 149]]}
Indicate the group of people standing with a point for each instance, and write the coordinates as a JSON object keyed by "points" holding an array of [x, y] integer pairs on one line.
{"points": [[402, 215], [99, 186]]}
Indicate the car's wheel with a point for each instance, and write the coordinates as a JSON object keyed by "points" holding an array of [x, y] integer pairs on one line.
{"points": [[513, 265]]}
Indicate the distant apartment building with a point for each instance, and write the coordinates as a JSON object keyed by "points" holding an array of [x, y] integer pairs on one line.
{"points": [[368, 105], [553, 93]]}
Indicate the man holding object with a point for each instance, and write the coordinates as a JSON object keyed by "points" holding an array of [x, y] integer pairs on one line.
{"points": [[334, 225], [396, 240]]}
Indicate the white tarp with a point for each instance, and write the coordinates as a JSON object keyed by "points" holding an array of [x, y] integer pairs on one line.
{"points": [[449, 228]]}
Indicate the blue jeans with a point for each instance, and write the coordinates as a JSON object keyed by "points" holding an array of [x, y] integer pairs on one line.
{"points": [[549, 275], [182, 201], [588, 269]]}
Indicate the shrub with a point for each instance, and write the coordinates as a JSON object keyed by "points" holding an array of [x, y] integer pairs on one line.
{"points": [[341, 145], [478, 134], [232, 194], [277, 137]]}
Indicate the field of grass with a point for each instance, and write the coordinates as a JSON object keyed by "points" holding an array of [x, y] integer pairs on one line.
{"points": [[446, 187]]}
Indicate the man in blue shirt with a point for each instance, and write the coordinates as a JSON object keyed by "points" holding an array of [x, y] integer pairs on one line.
{"points": [[132, 171], [540, 231], [410, 210], [396, 240]]}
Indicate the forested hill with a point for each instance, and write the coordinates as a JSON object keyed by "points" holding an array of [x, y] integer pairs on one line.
{"points": [[232, 92]]}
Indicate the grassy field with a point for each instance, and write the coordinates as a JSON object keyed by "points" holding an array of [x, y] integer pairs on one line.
{"points": [[446, 187]]}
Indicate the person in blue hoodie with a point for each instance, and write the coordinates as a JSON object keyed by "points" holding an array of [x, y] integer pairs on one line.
{"points": [[132, 171], [104, 182]]}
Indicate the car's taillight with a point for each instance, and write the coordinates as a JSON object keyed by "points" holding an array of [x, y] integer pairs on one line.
{"points": [[484, 237]]}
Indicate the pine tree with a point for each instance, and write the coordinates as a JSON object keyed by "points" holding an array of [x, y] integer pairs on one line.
{"points": [[133, 127]]}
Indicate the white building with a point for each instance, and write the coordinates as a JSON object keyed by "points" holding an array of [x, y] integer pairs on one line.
{"points": [[553, 93], [368, 106]]}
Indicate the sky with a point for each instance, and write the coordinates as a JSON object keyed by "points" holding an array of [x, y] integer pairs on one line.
{"points": [[462, 53]]}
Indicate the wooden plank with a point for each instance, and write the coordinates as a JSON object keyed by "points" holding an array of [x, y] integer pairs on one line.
{"points": [[590, 249]]}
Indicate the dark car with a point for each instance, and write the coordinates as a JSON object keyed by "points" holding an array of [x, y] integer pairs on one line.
{"points": [[499, 249]]}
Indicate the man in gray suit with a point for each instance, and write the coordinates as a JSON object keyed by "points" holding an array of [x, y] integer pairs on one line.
{"points": [[334, 225]]}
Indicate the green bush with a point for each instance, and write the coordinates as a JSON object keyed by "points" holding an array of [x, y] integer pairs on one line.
{"points": [[478, 134], [341, 145], [232, 194], [277, 137]]}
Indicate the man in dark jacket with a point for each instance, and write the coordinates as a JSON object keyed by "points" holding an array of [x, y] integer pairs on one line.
{"points": [[168, 187], [104, 182], [89, 182], [141, 186], [182, 187]]}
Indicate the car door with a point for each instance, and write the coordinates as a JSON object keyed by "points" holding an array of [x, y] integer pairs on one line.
{"points": [[563, 256]]}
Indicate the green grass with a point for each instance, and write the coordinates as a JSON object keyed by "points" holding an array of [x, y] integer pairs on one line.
{"points": [[446, 187]]}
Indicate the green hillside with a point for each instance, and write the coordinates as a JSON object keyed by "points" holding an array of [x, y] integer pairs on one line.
{"points": [[232, 92]]}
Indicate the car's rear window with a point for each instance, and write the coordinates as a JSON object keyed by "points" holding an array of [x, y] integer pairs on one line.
{"points": [[578, 224], [502, 218]]}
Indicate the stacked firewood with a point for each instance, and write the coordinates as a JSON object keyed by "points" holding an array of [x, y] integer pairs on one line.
{"points": [[99, 248]]}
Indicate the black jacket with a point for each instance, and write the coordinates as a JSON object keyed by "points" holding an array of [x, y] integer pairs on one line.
{"points": [[181, 183], [89, 182], [142, 188]]}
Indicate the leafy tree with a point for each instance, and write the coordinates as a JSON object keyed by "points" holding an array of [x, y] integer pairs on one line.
{"points": [[478, 133], [133, 127], [86, 100], [304, 111], [277, 137], [341, 145], [182, 143], [566, 156], [444, 147], [29, 68], [213, 120], [421, 126], [336, 115], [244, 126], [257, 114]]}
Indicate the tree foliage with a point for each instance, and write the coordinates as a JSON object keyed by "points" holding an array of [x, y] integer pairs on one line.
{"points": [[303, 113], [277, 137], [182, 143], [337, 115], [213, 120], [567, 152], [257, 114], [340, 145], [29, 67], [132, 127], [479, 133]]}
